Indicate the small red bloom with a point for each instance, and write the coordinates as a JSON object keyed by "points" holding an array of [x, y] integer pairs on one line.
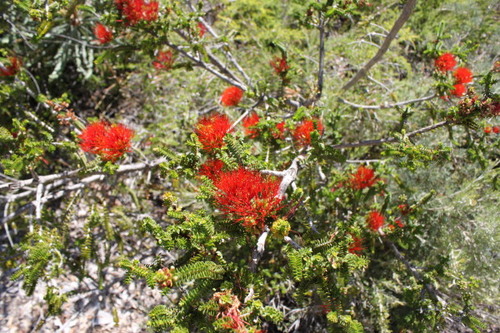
{"points": [[404, 209], [279, 131], [280, 65], [108, 141], [496, 129], [445, 62], [164, 60], [212, 129], [487, 129], [248, 196], [399, 223], [137, 10], [375, 220], [363, 178], [463, 75], [356, 246], [202, 29], [103, 34], [302, 133], [459, 90], [249, 123], [231, 96], [12, 69], [212, 169]]}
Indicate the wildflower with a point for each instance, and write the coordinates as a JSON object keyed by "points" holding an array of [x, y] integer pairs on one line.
{"points": [[248, 196], [103, 34], [211, 169], [231, 96], [463, 75], [302, 133], [12, 69], [487, 129], [202, 29], [404, 209], [138, 10], [164, 60], [363, 178], [496, 129], [279, 131], [108, 141], [375, 220], [445, 62], [212, 129], [249, 123], [280, 65], [356, 246], [229, 311], [459, 90]]}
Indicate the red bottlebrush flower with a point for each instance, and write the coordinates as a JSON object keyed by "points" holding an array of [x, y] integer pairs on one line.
{"points": [[404, 209], [363, 178], [279, 131], [280, 65], [164, 60], [108, 141], [212, 129], [248, 196], [445, 62], [487, 129], [356, 246], [231, 96], [399, 223], [375, 220], [138, 10], [12, 69], [496, 129], [249, 123], [202, 29], [102, 33], [459, 90], [302, 133], [212, 169], [463, 75]]}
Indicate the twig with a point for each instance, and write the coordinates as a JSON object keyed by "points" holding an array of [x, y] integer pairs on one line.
{"points": [[391, 139], [321, 65], [387, 105], [292, 243], [245, 114], [405, 15], [289, 175], [259, 250]]}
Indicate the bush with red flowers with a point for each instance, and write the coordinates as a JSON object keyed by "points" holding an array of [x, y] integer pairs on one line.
{"points": [[231, 96], [109, 141], [212, 129]]}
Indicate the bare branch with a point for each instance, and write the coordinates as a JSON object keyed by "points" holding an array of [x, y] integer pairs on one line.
{"points": [[292, 243], [289, 175], [405, 15], [258, 252], [387, 105], [391, 139]]}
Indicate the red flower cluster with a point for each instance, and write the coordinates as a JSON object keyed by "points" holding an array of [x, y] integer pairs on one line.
{"points": [[356, 246], [202, 29], [489, 129], [212, 169], [249, 123], [462, 75], [108, 141], [102, 33], [445, 62], [302, 133], [248, 196], [138, 10], [459, 90], [279, 131], [363, 178], [164, 60], [212, 129], [280, 65], [397, 222], [12, 69], [375, 220], [231, 96]]}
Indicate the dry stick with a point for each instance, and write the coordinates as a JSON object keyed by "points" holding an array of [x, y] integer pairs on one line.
{"points": [[213, 59], [391, 139], [387, 105], [204, 65], [259, 250], [245, 114], [405, 15], [433, 292], [321, 66]]}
